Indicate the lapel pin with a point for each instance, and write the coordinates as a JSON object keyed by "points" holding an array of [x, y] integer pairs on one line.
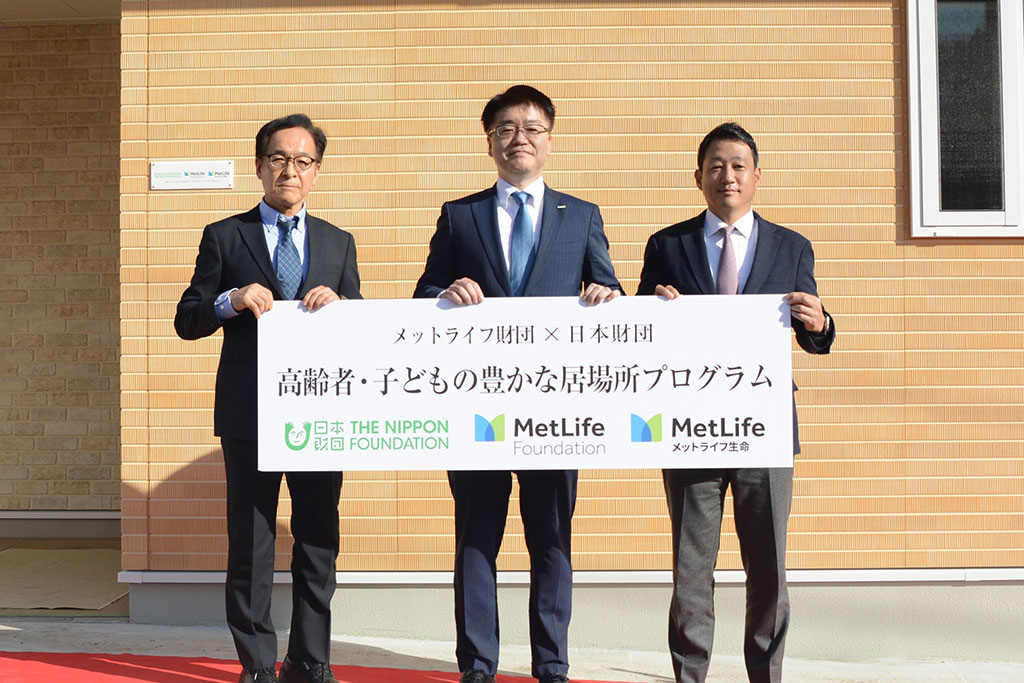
{"points": [[560, 206]]}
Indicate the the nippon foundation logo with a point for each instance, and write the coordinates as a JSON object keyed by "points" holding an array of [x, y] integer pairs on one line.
{"points": [[297, 439], [490, 430], [645, 431]]}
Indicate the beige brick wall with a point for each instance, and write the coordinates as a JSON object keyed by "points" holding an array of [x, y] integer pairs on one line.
{"points": [[59, 389], [911, 428]]}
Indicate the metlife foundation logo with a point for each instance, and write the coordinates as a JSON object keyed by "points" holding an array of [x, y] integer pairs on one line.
{"points": [[489, 430], [539, 436]]}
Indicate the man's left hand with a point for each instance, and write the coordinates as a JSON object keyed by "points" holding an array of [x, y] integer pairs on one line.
{"points": [[318, 297], [597, 294], [807, 309]]}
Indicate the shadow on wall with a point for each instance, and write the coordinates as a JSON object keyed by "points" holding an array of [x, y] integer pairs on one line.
{"points": [[185, 517], [182, 526]]}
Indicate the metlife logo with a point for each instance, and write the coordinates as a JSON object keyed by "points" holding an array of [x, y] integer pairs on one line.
{"points": [[534, 436], [644, 431], [489, 430]]}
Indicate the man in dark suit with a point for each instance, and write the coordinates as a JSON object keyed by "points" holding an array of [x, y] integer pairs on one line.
{"points": [[730, 249], [517, 238], [274, 251]]}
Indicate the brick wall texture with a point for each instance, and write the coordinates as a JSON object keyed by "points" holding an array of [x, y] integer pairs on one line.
{"points": [[911, 429], [59, 389]]}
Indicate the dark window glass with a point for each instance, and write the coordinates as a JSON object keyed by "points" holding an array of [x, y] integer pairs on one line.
{"points": [[970, 111]]}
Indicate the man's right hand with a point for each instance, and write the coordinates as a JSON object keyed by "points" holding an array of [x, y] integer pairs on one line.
{"points": [[254, 297], [463, 291], [667, 291]]}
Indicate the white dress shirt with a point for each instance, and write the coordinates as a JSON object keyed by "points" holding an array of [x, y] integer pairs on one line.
{"points": [[508, 207], [744, 242]]}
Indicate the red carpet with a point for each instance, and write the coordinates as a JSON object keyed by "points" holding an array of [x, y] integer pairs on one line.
{"points": [[49, 667]]}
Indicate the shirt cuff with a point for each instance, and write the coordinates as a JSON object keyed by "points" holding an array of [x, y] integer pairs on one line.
{"points": [[223, 308]]}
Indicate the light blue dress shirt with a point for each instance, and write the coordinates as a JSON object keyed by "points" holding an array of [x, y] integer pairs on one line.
{"points": [[222, 306]]}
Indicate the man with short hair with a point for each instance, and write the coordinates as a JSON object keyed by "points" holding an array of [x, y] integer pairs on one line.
{"points": [[246, 262], [517, 238], [730, 249]]}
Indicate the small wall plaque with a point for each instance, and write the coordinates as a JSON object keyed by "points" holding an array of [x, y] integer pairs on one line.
{"points": [[199, 174]]}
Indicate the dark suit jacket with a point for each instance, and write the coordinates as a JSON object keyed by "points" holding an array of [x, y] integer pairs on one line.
{"points": [[783, 263], [233, 253], [572, 253]]}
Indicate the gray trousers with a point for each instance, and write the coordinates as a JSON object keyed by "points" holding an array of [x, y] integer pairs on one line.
{"points": [[761, 501]]}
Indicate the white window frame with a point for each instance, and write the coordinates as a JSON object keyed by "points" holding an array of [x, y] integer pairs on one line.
{"points": [[927, 218]]}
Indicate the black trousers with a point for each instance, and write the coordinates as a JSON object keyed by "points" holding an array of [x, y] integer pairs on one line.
{"points": [[547, 499], [252, 529]]}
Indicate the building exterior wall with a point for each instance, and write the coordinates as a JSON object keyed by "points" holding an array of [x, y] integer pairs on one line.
{"points": [[59, 279], [910, 428]]}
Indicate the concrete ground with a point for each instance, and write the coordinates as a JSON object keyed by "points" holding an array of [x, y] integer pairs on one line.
{"points": [[55, 634]]}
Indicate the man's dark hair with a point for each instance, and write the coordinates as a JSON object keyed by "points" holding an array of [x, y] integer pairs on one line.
{"points": [[516, 96], [726, 131], [290, 121]]}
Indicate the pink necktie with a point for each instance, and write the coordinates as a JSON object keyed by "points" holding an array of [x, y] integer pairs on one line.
{"points": [[728, 278]]}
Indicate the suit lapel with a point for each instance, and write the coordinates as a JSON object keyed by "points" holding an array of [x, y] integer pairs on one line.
{"points": [[315, 242], [251, 232], [485, 214], [696, 249], [764, 255], [551, 219]]}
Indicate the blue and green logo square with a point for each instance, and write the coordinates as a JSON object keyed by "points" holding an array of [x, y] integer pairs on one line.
{"points": [[490, 430], [644, 431]]}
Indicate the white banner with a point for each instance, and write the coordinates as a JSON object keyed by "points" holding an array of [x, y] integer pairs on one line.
{"points": [[526, 383]]}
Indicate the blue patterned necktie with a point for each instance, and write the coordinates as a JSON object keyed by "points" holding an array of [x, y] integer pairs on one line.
{"points": [[286, 256], [520, 253]]}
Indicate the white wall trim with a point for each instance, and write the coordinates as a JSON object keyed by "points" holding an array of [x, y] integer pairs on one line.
{"points": [[926, 217], [810, 577]]}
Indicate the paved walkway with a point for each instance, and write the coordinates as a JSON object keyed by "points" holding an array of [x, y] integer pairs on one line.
{"points": [[47, 634]]}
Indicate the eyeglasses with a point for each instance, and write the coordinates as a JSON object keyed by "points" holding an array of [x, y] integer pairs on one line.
{"points": [[507, 132], [302, 162]]}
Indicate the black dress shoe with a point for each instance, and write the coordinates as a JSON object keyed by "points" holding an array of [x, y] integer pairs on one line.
{"points": [[306, 672], [475, 676], [554, 678], [258, 676]]}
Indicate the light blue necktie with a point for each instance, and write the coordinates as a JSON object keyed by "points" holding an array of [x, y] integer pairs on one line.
{"points": [[520, 253], [286, 256]]}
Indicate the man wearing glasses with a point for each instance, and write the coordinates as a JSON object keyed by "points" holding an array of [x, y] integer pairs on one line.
{"points": [[517, 238], [274, 251]]}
